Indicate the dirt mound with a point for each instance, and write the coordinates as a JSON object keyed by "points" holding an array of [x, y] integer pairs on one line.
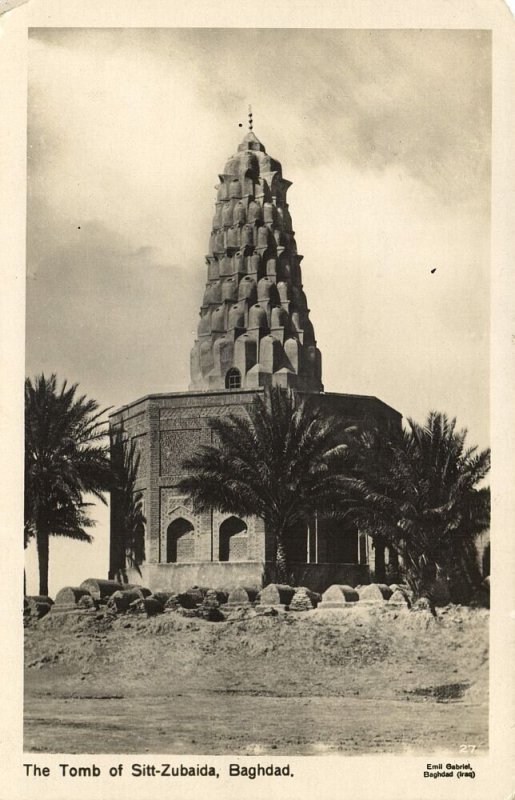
{"points": [[376, 654]]}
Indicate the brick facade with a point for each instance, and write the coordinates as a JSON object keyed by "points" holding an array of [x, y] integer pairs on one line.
{"points": [[166, 428]]}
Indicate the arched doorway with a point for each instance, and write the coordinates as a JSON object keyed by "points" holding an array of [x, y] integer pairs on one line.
{"points": [[180, 542], [233, 540]]}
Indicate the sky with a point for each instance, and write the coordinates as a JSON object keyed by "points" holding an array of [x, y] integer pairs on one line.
{"points": [[386, 137]]}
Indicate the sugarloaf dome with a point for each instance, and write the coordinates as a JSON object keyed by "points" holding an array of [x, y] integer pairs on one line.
{"points": [[254, 328]]}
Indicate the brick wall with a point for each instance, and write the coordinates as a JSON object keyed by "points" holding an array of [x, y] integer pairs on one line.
{"points": [[166, 429]]}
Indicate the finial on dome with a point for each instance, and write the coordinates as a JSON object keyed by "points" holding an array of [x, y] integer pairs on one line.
{"points": [[250, 140]]}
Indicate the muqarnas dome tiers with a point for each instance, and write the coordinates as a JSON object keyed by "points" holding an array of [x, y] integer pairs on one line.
{"points": [[254, 328]]}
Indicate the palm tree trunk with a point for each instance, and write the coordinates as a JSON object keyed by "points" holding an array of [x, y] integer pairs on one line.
{"points": [[393, 565], [281, 561], [421, 575], [379, 568], [42, 546]]}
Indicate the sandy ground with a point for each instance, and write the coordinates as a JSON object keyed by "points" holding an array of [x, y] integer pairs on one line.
{"points": [[362, 680]]}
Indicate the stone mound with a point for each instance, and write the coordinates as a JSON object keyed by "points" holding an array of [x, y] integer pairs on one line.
{"points": [[210, 607], [172, 604], [422, 604], [304, 599], [399, 598], [338, 596], [70, 596], [120, 601], [88, 602], [375, 593], [241, 597], [39, 598], [100, 588], [153, 606], [37, 606], [276, 594], [192, 597], [211, 613]]}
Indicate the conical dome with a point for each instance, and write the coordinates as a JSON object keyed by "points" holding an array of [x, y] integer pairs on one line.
{"points": [[252, 245], [251, 142]]}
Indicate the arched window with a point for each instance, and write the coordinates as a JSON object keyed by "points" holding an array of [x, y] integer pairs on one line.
{"points": [[138, 543], [180, 542], [233, 540], [233, 379]]}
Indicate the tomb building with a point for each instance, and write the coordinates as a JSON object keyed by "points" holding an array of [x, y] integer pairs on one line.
{"points": [[254, 331]]}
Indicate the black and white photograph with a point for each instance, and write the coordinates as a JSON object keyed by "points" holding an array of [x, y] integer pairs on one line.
{"points": [[257, 514]]}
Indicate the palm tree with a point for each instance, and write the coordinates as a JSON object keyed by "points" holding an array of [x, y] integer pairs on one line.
{"points": [[128, 523], [282, 460], [65, 459], [419, 494]]}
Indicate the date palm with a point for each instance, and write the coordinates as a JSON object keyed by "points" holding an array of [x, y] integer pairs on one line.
{"points": [[282, 460], [421, 495], [66, 458], [128, 523]]}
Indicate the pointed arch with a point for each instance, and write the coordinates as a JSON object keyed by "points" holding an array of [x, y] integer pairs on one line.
{"points": [[233, 539], [180, 541]]}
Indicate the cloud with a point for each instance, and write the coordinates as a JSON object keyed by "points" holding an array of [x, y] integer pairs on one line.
{"points": [[385, 323], [106, 314], [417, 98]]}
